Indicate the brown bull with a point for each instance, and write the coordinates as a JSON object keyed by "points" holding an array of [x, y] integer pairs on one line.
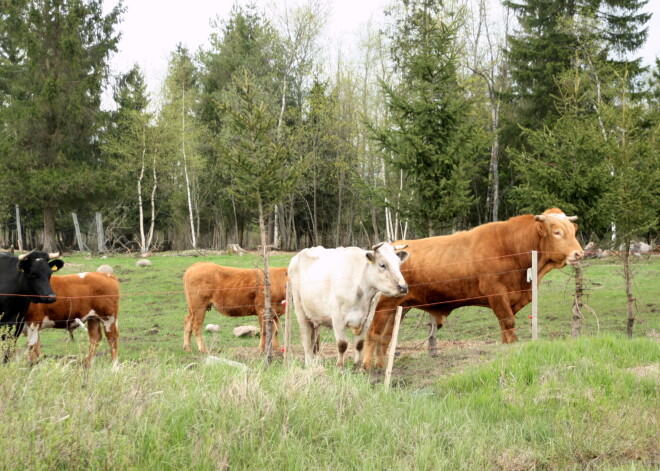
{"points": [[234, 292], [91, 298], [485, 266]]}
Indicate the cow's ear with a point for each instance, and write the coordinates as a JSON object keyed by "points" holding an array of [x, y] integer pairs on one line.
{"points": [[24, 264], [371, 257], [576, 227], [403, 255], [56, 264], [540, 228]]}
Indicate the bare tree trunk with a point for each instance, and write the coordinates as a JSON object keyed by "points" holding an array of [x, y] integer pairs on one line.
{"points": [[577, 303], [268, 312], [627, 273], [143, 242], [185, 166], [49, 229], [152, 223]]}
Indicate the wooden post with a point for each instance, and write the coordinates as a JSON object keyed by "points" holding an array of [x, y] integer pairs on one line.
{"points": [[18, 229], [81, 246], [287, 325], [535, 295], [433, 341], [100, 238], [577, 303], [392, 349]]}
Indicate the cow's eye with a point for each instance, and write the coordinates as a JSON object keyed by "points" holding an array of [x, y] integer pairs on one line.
{"points": [[557, 233], [382, 265]]}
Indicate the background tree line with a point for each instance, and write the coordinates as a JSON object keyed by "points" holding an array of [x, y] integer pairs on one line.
{"points": [[447, 118]]}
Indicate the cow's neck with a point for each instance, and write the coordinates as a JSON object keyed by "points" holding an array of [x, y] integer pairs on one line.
{"points": [[521, 237]]}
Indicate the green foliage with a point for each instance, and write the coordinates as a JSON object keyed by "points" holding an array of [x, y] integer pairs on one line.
{"points": [[543, 50], [427, 109], [53, 71], [256, 154]]}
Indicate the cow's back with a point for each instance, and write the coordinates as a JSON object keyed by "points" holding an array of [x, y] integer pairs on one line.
{"points": [[232, 291], [79, 294]]}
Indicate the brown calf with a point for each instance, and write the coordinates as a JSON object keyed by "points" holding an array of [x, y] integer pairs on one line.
{"points": [[234, 292], [88, 297]]}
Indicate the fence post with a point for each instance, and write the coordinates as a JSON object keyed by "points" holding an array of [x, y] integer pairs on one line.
{"points": [[100, 239], [535, 296], [287, 325], [18, 229], [81, 246], [433, 340], [577, 303], [392, 349]]}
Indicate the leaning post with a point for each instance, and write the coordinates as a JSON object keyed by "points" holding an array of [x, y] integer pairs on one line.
{"points": [[535, 295], [287, 325], [19, 231], [392, 349]]}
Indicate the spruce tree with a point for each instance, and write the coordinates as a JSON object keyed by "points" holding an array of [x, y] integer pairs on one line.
{"points": [[427, 135], [52, 73]]}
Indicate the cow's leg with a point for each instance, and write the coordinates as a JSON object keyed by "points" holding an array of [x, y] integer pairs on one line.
{"points": [[112, 334], [95, 334], [358, 347], [306, 335], [372, 342], [502, 309], [276, 331], [342, 342], [193, 324], [33, 345]]}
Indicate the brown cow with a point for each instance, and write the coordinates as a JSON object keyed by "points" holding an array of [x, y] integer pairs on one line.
{"points": [[88, 297], [485, 266], [234, 292]]}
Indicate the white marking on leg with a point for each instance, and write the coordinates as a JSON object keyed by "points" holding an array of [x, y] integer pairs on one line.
{"points": [[46, 323], [32, 334], [108, 323]]}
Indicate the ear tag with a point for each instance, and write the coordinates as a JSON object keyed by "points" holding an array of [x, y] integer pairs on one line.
{"points": [[54, 268]]}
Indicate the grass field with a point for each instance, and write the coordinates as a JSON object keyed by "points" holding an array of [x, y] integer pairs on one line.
{"points": [[559, 403]]}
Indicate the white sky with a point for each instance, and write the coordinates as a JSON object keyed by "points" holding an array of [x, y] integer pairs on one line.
{"points": [[151, 29]]}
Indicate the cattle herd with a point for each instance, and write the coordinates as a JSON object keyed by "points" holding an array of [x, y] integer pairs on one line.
{"points": [[485, 266]]}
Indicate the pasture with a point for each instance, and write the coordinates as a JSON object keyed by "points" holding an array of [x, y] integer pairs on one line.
{"points": [[558, 403]]}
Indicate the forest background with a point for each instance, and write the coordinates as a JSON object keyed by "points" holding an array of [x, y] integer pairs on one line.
{"points": [[445, 118]]}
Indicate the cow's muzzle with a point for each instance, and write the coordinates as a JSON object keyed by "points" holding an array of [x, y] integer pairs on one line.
{"points": [[403, 289], [575, 256]]}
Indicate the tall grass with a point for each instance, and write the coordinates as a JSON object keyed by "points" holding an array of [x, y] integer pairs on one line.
{"points": [[544, 405]]}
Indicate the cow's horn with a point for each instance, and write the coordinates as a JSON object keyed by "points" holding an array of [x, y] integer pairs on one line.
{"points": [[572, 218], [540, 217], [53, 255], [24, 255], [377, 246], [400, 247]]}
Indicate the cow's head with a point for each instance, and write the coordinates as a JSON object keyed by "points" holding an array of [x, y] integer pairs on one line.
{"points": [[35, 269], [558, 241], [385, 269]]}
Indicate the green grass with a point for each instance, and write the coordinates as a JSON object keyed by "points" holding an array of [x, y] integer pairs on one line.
{"points": [[559, 403], [544, 405]]}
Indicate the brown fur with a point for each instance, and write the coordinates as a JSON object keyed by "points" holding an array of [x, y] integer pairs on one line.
{"points": [[234, 292], [468, 268], [76, 297]]}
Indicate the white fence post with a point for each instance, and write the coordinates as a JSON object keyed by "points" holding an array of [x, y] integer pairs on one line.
{"points": [[76, 226], [535, 296], [392, 349], [100, 240], [18, 229]]}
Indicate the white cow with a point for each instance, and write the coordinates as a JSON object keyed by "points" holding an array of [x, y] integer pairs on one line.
{"points": [[334, 287]]}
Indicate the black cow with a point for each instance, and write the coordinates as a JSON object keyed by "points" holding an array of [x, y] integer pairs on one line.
{"points": [[23, 280]]}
